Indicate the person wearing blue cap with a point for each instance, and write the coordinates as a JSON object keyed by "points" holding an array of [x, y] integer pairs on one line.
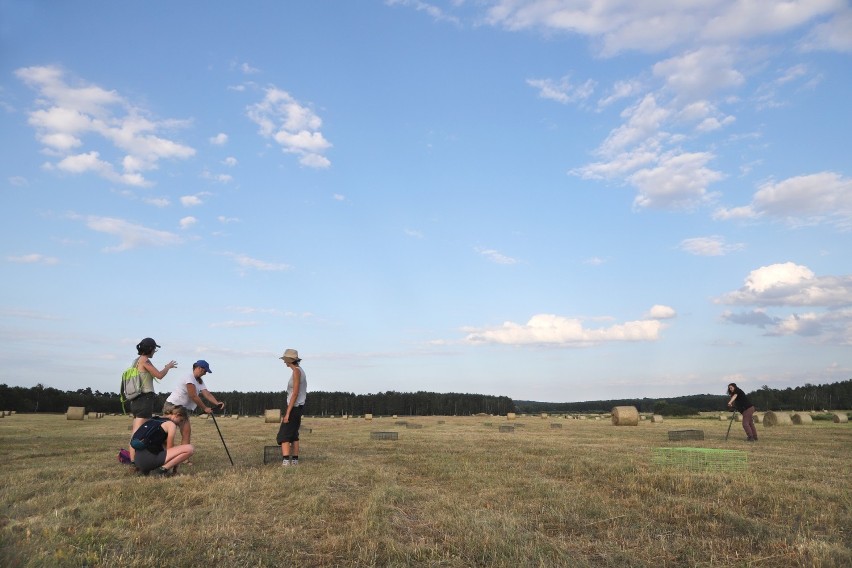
{"points": [[188, 393]]}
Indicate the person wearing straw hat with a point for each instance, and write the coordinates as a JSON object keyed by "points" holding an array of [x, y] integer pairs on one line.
{"points": [[744, 407], [297, 389]]}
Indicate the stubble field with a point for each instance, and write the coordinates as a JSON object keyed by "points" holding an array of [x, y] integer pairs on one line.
{"points": [[451, 491]]}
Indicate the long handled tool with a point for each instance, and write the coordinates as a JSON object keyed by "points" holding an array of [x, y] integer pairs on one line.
{"points": [[733, 414], [213, 416]]}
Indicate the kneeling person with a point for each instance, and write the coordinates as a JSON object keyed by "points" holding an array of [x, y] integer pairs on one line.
{"points": [[154, 444]]}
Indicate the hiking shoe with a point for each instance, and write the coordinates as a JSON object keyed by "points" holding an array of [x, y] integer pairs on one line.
{"points": [[285, 463], [295, 462], [163, 472]]}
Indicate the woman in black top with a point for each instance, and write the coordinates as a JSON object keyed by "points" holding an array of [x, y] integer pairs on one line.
{"points": [[744, 407]]}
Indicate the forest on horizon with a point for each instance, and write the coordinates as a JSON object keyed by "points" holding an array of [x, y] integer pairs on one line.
{"points": [[834, 396]]}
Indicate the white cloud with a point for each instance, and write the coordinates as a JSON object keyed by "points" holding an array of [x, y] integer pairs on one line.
{"points": [[219, 140], [496, 256], [188, 222], [227, 220], [678, 181], [293, 126], [562, 91], [549, 329], [660, 312], [230, 161], [700, 72], [825, 197], [160, 202], [621, 90], [34, 258], [413, 233], [656, 26], [70, 117], [234, 324], [708, 246], [193, 200], [244, 261], [130, 234], [594, 261], [790, 284], [338, 197], [833, 35]]}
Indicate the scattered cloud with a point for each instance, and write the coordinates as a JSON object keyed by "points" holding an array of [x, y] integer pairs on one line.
{"points": [[293, 126], [227, 220], [788, 285], [708, 246], [549, 329], [219, 140], [594, 261], [234, 324], [495, 256], [188, 222], [244, 261], [825, 197], [413, 233], [68, 118], [130, 234], [33, 258], [193, 200], [160, 202], [562, 90], [230, 161], [338, 197], [660, 312]]}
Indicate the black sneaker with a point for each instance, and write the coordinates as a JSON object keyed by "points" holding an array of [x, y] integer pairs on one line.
{"points": [[163, 472]]}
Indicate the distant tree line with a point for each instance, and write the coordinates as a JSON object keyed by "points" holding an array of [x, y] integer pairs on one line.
{"points": [[834, 396], [46, 399]]}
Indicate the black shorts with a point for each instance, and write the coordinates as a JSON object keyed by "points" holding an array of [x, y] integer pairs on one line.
{"points": [[143, 405], [289, 431]]}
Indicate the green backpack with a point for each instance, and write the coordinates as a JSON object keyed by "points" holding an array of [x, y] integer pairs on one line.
{"points": [[131, 385]]}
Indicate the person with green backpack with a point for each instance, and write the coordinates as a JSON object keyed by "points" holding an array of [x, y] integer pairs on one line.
{"points": [[142, 405]]}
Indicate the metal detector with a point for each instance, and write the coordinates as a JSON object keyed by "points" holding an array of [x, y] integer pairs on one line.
{"points": [[213, 416], [733, 415]]}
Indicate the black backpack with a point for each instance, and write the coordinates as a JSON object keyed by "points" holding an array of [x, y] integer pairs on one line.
{"points": [[150, 436]]}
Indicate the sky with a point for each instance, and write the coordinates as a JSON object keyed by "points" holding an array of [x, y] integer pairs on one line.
{"points": [[548, 200]]}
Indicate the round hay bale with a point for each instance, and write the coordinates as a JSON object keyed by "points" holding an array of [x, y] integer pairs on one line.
{"points": [[657, 419], [368, 417], [76, 413], [840, 418], [777, 419], [272, 416], [235, 416], [758, 418], [625, 416], [800, 418], [544, 414], [510, 416]]}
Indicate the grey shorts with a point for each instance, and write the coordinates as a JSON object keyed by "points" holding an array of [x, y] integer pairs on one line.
{"points": [[147, 461]]}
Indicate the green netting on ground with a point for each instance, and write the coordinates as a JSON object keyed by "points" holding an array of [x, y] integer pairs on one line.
{"points": [[701, 459]]}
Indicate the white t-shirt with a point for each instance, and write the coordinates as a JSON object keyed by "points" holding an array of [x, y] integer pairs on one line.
{"points": [[181, 396]]}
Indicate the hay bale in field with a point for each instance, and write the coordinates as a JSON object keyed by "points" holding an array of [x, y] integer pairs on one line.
{"points": [[272, 416], [777, 419], [368, 417], [76, 413], [384, 435], [657, 419], [801, 419], [544, 414], [625, 416], [840, 418], [235, 416], [758, 418], [510, 416]]}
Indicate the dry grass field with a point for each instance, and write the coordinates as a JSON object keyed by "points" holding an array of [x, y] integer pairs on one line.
{"points": [[454, 492]]}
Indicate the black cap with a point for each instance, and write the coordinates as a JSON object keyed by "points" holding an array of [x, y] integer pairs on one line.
{"points": [[147, 344]]}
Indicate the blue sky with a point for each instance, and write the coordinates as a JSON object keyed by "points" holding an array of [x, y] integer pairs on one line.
{"points": [[549, 200]]}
